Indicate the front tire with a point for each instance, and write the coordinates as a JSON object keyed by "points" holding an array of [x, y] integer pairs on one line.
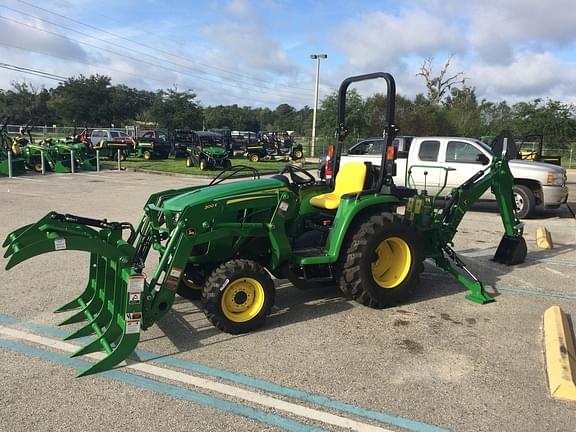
{"points": [[298, 154], [203, 166], [254, 157], [189, 162], [381, 262], [238, 296], [524, 200], [147, 155]]}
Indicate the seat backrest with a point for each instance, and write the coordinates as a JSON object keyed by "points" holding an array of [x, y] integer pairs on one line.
{"points": [[350, 178]]}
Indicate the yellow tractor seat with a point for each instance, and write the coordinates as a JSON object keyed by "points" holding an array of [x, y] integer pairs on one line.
{"points": [[350, 179]]}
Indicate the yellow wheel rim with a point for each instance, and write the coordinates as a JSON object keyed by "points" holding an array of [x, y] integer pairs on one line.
{"points": [[254, 158], [242, 299], [392, 264], [298, 154], [38, 167]]}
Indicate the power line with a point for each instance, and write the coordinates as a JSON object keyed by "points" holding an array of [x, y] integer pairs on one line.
{"points": [[107, 69], [34, 72], [140, 60], [157, 49]]}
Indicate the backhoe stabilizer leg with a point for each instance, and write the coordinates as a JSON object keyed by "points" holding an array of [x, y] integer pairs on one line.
{"points": [[477, 293]]}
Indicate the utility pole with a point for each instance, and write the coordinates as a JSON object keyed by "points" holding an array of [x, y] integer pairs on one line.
{"points": [[316, 57]]}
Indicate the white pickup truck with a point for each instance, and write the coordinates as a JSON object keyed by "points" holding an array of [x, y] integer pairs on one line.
{"points": [[534, 182]]}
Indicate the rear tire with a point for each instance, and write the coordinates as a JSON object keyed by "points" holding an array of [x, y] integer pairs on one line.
{"points": [[298, 154], [381, 262], [203, 166], [189, 162], [238, 296], [254, 157], [524, 200], [147, 155]]}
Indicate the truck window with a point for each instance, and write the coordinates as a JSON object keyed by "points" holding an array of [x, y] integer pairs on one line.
{"points": [[429, 151], [114, 134], [462, 152]]}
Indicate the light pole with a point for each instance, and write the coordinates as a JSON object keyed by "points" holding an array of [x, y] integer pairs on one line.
{"points": [[316, 57]]}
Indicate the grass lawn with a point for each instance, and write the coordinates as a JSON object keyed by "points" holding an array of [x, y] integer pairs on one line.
{"points": [[179, 166]]}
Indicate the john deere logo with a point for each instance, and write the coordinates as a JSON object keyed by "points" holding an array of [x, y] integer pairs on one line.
{"points": [[190, 232]]}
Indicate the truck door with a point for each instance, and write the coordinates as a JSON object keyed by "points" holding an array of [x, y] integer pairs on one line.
{"points": [[423, 171], [466, 159]]}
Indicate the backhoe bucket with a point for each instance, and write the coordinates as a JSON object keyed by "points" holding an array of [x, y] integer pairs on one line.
{"points": [[511, 251], [110, 307]]}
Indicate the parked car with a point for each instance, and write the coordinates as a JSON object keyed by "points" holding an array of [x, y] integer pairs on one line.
{"points": [[109, 141]]}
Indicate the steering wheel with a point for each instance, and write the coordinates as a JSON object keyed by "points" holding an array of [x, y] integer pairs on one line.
{"points": [[298, 176]]}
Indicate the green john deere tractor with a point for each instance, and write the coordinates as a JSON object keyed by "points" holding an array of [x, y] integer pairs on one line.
{"points": [[10, 149], [221, 242]]}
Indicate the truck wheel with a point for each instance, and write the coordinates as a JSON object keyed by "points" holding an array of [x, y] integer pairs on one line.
{"points": [[238, 296], [254, 157], [147, 155], [524, 200], [189, 162], [381, 262]]}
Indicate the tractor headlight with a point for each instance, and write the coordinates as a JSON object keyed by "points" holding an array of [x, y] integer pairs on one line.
{"points": [[555, 179]]}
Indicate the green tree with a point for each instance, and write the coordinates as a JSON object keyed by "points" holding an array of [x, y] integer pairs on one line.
{"points": [[84, 100], [175, 109], [462, 112]]}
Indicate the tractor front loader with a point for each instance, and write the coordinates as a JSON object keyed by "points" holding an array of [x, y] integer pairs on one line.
{"points": [[221, 243]]}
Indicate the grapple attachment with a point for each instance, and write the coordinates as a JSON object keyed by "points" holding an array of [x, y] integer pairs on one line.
{"points": [[511, 251], [110, 308]]}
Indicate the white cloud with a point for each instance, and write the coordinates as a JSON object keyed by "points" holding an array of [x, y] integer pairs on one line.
{"points": [[528, 76], [248, 45], [380, 39]]}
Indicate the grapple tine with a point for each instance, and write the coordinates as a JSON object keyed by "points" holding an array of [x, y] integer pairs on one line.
{"points": [[124, 348], [98, 313], [90, 290], [121, 337], [15, 234]]}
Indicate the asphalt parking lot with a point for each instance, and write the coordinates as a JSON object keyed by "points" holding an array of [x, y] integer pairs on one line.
{"points": [[321, 362]]}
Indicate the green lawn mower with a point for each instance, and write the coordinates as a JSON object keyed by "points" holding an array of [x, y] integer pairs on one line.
{"points": [[208, 152], [54, 158], [274, 145], [222, 242], [152, 144], [9, 149]]}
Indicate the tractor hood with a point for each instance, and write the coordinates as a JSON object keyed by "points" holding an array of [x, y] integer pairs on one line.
{"points": [[215, 151], [207, 194]]}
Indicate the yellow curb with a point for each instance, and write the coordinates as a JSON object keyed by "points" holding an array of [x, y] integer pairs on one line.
{"points": [[560, 355], [543, 238]]}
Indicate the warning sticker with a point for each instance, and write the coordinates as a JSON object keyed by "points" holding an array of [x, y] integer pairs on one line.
{"points": [[133, 322], [136, 283], [175, 273], [134, 297], [59, 244], [283, 206]]}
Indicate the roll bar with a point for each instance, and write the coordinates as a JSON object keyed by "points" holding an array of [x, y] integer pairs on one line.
{"points": [[388, 164]]}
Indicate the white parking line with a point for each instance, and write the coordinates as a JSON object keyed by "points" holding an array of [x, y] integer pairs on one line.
{"points": [[226, 389]]}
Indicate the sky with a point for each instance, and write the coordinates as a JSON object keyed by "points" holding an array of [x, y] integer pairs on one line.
{"points": [[257, 53]]}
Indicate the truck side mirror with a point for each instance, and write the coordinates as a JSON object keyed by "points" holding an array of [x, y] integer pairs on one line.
{"points": [[483, 159]]}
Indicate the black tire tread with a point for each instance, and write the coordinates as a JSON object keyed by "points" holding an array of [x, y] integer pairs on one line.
{"points": [[350, 278]]}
